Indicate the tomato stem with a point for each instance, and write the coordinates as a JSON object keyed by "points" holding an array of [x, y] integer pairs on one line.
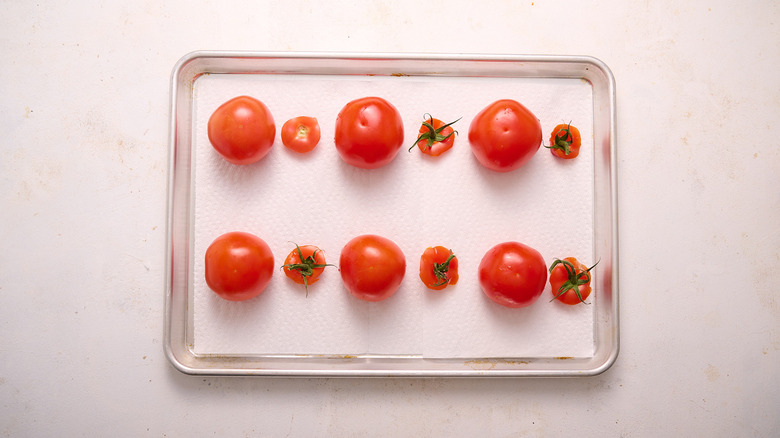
{"points": [[433, 135], [563, 142], [302, 131], [306, 266], [441, 270], [575, 280]]}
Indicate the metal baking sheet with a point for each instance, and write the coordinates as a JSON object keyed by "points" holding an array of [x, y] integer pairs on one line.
{"points": [[411, 335]]}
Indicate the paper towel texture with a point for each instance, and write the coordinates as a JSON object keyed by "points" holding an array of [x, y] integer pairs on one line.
{"points": [[417, 201]]}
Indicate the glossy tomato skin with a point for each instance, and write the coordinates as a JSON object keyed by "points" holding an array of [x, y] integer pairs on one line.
{"points": [[505, 135], [295, 258], [573, 138], [301, 134], [242, 130], [559, 276], [372, 267], [513, 274], [239, 266], [438, 255], [369, 132]]}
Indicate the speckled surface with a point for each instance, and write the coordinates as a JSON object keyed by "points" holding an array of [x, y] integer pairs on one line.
{"points": [[417, 202]]}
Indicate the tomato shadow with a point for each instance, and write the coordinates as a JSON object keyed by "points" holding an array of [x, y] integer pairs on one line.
{"points": [[309, 290], [371, 182], [508, 317], [241, 175], [303, 157], [433, 160], [359, 174], [226, 312], [358, 309], [435, 297], [508, 183]]}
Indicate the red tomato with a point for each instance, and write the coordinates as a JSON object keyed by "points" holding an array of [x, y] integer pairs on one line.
{"points": [[242, 130], [570, 280], [372, 267], [565, 141], [238, 266], [301, 134], [513, 274], [304, 265], [435, 137], [438, 268], [505, 135], [369, 132]]}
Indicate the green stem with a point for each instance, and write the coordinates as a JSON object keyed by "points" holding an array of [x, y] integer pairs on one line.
{"points": [[306, 266], [433, 135], [575, 280], [562, 143], [441, 270]]}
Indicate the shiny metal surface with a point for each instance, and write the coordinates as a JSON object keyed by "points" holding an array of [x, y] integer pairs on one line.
{"points": [[178, 287]]}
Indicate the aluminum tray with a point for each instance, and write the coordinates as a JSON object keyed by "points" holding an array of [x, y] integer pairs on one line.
{"points": [[180, 289]]}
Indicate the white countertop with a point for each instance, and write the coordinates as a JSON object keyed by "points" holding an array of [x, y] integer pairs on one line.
{"points": [[84, 103]]}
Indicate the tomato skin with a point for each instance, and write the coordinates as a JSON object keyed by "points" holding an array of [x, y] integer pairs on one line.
{"points": [[369, 132], [559, 276], [573, 138], [513, 274], [301, 134], [242, 130], [437, 147], [505, 135], [429, 259], [239, 266], [372, 267], [295, 258]]}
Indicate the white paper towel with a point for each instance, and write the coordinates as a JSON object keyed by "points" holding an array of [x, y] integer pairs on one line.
{"points": [[416, 201]]}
